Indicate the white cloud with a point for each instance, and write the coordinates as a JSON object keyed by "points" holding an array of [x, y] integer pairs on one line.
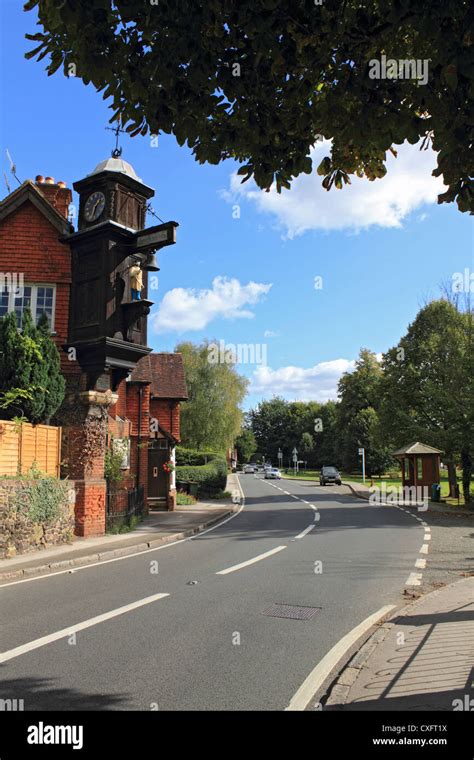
{"points": [[318, 383], [385, 202], [184, 309], [270, 334]]}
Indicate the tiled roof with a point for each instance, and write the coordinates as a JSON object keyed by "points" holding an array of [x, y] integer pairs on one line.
{"points": [[165, 372], [416, 448], [28, 191]]}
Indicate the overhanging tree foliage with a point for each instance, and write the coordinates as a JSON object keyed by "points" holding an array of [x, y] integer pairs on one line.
{"points": [[258, 80]]}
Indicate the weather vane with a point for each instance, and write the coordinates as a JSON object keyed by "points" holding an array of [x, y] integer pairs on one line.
{"points": [[117, 152]]}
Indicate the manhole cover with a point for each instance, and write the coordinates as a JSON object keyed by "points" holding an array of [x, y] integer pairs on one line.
{"points": [[291, 612]]}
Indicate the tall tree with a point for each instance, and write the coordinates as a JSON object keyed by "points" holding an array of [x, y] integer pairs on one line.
{"points": [[270, 422], [306, 447], [359, 393], [258, 81], [212, 416], [30, 366], [325, 436], [428, 385], [246, 445], [280, 424]]}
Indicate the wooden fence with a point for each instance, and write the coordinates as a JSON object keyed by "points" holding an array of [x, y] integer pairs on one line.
{"points": [[25, 444]]}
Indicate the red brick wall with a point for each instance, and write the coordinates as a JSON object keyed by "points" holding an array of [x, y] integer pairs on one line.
{"points": [[29, 244], [120, 408], [59, 197], [141, 454], [90, 507], [167, 413]]}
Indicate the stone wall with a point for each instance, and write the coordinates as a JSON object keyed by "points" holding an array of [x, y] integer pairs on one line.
{"points": [[18, 533]]}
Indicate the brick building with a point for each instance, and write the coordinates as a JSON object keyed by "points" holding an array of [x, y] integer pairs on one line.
{"points": [[119, 394]]}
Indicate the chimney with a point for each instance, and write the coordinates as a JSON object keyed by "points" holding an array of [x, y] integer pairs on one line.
{"points": [[56, 193]]}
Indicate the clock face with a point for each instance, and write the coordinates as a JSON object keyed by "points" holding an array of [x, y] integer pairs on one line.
{"points": [[94, 207]]}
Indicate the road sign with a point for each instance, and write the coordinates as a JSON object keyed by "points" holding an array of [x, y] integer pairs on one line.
{"points": [[156, 237], [295, 451], [295, 457], [361, 451]]}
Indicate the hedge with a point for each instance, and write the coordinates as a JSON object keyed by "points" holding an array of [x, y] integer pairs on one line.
{"points": [[193, 457], [211, 477]]}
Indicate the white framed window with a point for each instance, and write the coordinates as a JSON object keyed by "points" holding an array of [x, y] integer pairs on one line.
{"points": [[38, 298]]}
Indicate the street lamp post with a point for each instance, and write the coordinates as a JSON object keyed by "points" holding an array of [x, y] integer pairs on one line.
{"points": [[362, 454]]}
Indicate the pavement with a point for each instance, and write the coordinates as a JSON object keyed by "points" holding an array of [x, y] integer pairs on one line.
{"points": [[237, 617], [157, 529], [421, 659]]}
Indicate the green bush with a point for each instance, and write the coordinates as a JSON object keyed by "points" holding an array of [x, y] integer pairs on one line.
{"points": [[211, 477], [184, 499], [44, 500], [113, 466], [194, 458]]}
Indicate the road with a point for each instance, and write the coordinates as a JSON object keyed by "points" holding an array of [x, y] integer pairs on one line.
{"points": [[206, 644]]}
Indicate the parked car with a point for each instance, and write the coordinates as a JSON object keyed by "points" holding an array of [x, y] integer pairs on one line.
{"points": [[329, 475], [273, 473], [248, 469]]}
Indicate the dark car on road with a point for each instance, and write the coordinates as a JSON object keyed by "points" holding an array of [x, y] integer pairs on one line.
{"points": [[329, 475]]}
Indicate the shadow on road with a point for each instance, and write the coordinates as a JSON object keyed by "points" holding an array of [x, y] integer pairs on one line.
{"points": [[41, 694]]}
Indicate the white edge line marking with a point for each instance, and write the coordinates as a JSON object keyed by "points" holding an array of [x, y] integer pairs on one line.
{"points": [[305, 531], [323, 669], [250, 561], [129, 556], [50, 637], [424, 549]]}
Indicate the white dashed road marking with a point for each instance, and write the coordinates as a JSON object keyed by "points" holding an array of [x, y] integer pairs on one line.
{"points": [[250, 561], [414, 579], [37, 643]]}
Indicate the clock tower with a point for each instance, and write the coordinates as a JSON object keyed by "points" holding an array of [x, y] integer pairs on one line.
{"points": [[107, 325], [112, 192], [111, 255]]}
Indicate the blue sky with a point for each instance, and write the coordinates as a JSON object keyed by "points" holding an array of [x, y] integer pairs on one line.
{"points": [[244, 267]]}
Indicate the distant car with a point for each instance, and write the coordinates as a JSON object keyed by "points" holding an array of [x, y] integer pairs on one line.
{"points": [[329, 475], [273, 473], [248, 469]]}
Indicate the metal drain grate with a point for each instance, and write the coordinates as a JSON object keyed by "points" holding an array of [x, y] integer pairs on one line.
{"points": [[291, 612]]}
